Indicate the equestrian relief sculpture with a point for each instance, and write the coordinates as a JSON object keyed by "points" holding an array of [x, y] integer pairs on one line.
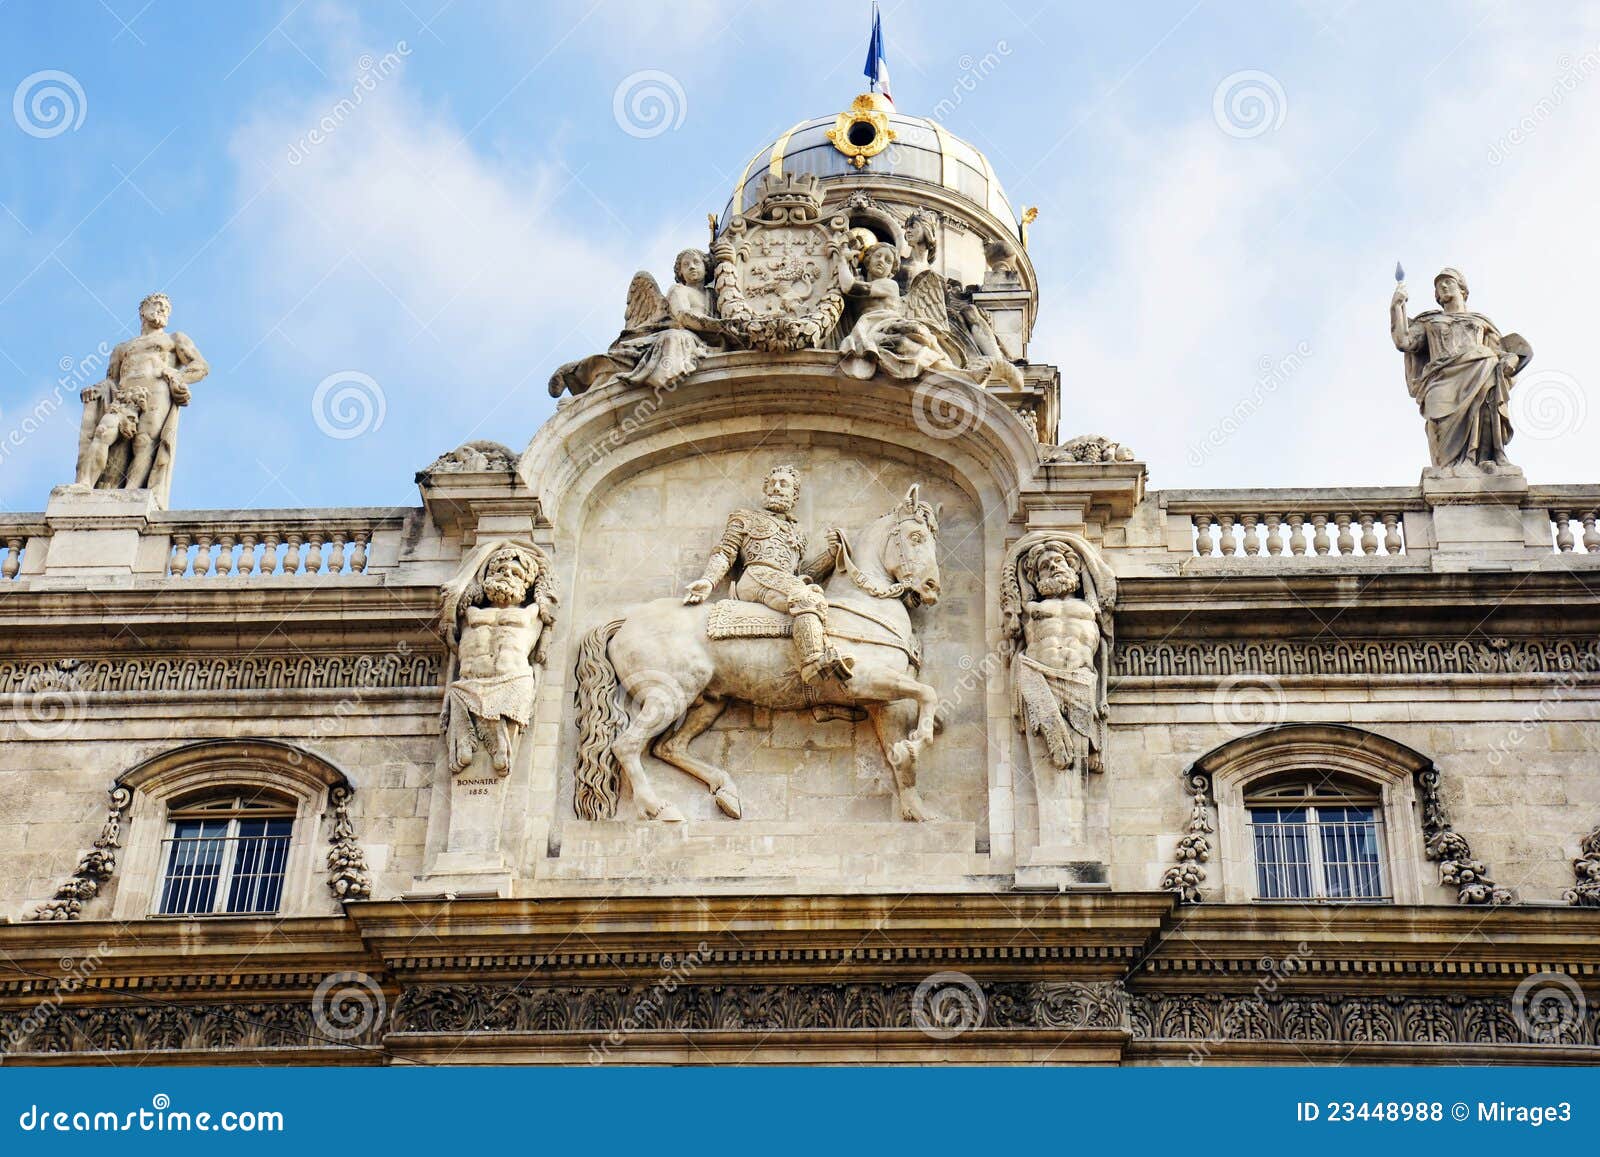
{"points": [[843, 648]]}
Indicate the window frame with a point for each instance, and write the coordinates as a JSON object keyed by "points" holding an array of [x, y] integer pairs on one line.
{"points": [[233, 808], [1313, 795], [1359, 759]]}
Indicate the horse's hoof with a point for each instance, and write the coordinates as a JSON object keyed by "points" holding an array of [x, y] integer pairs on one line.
{"points": [[728, 800], [667, 813]]}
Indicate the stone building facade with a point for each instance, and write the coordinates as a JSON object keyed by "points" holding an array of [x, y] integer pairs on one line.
{"points": [[801, 693]]}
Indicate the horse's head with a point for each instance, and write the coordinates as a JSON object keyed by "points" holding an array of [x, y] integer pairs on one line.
{"points": [[909, 548]]}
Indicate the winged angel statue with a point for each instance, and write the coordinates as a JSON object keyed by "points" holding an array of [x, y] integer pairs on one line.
{"points": [[663, 337], [906, 335]]}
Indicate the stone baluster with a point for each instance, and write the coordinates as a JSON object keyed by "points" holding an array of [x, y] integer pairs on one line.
{"points": [[1297, 538], [336, 555], [202, 556], [1563, 521], [179, 563], [1203, 545], [1252, 544], [1591, 536], [269, 553], [1319, 528], [1225, 528], [1369, 536], [1274, 538], [247, 555], [225, 556], [1391, 536], [358, 557], [13, 562], [314, 554], [1347, 542], [291, 557]]}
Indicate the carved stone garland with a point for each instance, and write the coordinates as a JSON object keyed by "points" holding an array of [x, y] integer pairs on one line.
{"points": [[1194, 847], [1586, 869], [347, 863], [94, 868], [1452, 852]]}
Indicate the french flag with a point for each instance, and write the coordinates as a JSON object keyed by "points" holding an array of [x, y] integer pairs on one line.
{"points": [[877, 69]]}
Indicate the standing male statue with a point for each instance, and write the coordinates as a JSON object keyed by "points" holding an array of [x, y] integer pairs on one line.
{"points": [[1060, 671], [130, 420], [493, 615], [1459, 370], [770, 548]]}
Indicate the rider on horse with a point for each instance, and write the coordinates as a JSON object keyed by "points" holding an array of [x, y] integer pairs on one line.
{"points": [[769, 547]]}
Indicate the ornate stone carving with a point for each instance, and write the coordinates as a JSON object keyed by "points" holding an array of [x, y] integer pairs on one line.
{"points": [[1088, 448], [1057, 598], [981, 356], [472, 457], [1586, 869], [347, 863], [1460, 371], [1449, 848], [130, 420], [664, 656], [1374, 657], [776, 268], [167, 1027], [494, 617], [663, 337], [94, 868], [904, 335], [400, 668], [1194, 846]]}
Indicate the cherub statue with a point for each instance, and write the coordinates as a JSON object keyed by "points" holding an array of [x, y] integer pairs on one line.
{"points": [[663, 337], [494, 615], [905, 336], [1459, 370], [973, 329]]}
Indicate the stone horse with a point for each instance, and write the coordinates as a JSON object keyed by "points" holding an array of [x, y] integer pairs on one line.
{"points": [[675, 670]]}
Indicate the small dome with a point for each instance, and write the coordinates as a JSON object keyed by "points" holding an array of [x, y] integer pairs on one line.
{"points": [[852, 144]]}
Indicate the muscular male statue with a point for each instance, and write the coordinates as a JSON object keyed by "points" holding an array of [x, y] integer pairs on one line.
{"points": [[501, 626], [770, 548], [130, 420], [1057, 678]]}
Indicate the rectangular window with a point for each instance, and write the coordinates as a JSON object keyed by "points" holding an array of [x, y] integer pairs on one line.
{"points": [[1318, 853], [224, 866]]}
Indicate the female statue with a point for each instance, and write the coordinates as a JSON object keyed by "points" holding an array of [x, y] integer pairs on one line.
{"points": [[905, 336]]}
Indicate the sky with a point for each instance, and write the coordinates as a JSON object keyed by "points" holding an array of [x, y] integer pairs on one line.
{"points": [[384, 225]]}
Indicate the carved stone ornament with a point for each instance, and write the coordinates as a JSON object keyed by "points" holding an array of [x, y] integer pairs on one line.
{"points": [[1088, 449], [129, 430], [1194, 846], [1449, 848], [1370, 657], [1586, 870], [1057, 598], [776, 268], [848, 646], [94, 868], [347, 863], [472, 457], [494, 616]]}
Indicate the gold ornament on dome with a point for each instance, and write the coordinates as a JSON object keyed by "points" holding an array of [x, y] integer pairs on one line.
{"points": [[863, 132]]}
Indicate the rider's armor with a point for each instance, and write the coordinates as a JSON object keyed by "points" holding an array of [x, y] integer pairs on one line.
{"points": [[769, 549]]}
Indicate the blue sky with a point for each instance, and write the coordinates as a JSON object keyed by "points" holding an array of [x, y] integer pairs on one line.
{"points": [[1215, 278]]}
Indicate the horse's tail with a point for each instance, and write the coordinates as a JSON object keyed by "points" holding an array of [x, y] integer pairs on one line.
{"points": [[600, 717]]}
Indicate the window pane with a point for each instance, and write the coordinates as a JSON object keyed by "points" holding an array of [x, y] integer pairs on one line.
{"points": [[258, 866], [1350, 857], [194, 866], [1283, 853]]}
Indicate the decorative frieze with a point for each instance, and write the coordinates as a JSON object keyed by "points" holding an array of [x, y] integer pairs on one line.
{"points": [[400, 667], [1370, 657]]}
